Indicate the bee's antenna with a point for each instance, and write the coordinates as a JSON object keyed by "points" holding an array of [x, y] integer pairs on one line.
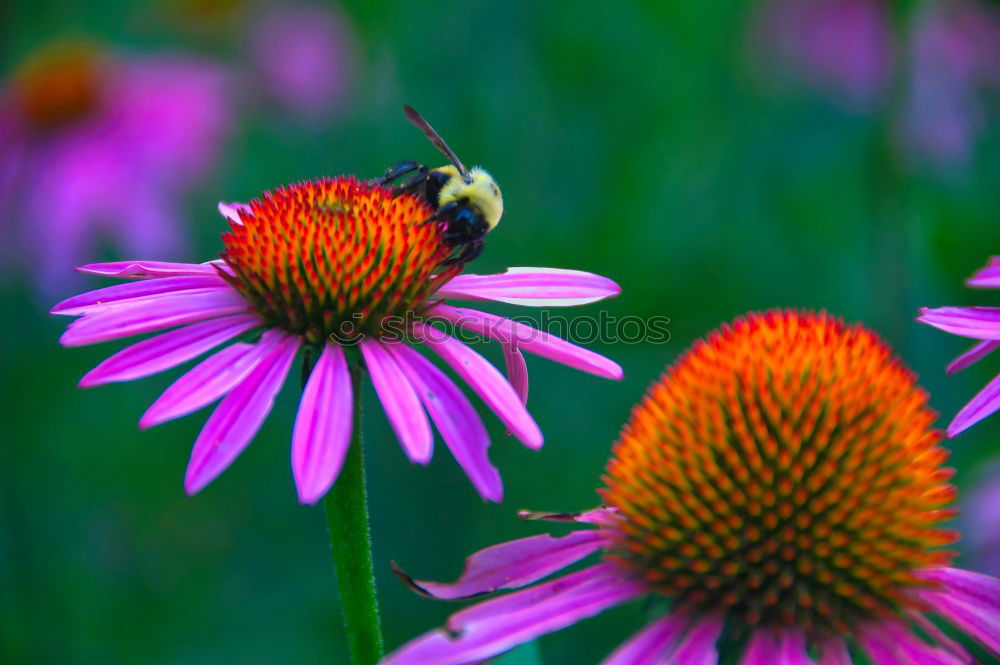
{"points": [[429, 132]]}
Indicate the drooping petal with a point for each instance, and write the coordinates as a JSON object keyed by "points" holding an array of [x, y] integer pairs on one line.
{"points": [[485, 380], [492, 627], [231, 211], [892, 643], [322, 432], [975, 322], [207, 381], [762, 648], [698, 646], [792, 645], [239, 416], [988, 277], [833, 651], [976, 353], [652, 644], [95, 301], [970, 602], [147, 269], [517, 370], [152, 315], [170, 349], [602, 516], [532, 287], [530, 339], [400, 401], [456, 419], [512, 565], [985, 403]]}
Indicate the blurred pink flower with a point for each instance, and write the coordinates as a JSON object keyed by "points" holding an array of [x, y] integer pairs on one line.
{"points": [[842, 48], [97, 145], [983, 522], [304, 55], [955, 51]]}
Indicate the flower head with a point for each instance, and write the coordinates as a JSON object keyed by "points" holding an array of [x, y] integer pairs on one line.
{"points": [[778, 493], [980, 323], [78, 160], [322, 266]]}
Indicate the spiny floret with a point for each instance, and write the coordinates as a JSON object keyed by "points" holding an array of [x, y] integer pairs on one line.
{"points": [[783, 469], [335, 257]]}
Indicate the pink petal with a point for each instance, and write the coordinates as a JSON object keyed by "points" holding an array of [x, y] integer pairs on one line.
{"points": [[762, 648], [652, 644], [513, 564], [975, 322], [969, 601], [890, 642], [985, 403], [833, 651], [208, 380], [323, 425], [530, 339], [792, 643], [400, 401], [976, 353], [94, 301], [602, 516], [485, 380], [147, 269], [533, 287], [517, 371], [967, 584], [231, 211], [698, 646], [145, 316], [170, 349], [988, 277], [239, 416], [456, 419], [490, 628]]}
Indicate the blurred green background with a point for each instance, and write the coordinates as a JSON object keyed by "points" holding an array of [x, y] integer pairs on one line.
{"points": [[664, 145]]}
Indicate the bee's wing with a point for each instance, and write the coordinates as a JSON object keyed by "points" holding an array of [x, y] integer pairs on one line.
{"points": [[434, 138]]}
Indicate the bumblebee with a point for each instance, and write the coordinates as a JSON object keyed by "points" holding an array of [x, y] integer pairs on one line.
{"points": [[467, 201]]}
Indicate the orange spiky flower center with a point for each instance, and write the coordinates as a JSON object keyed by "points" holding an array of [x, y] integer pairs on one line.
{"points": [[58, 84], [785, 470], [336, 258]]}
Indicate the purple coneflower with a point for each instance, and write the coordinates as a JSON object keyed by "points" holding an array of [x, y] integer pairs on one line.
{"points": [[775, 498], [982, 323], [324, 266], [96, 145]]}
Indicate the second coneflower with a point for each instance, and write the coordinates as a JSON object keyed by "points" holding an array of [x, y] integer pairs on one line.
{"points": [[776, 498], [321, 266]]}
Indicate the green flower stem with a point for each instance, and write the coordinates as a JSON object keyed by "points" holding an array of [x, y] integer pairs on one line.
{"points": [[346, 506]]}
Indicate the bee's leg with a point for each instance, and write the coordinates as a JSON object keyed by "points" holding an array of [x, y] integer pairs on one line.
{"points": [[402, 168], [468, 252], [443, 213]]}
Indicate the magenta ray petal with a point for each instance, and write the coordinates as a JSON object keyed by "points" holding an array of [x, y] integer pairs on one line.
{"points": [[892, 643], [514, 564], [976, 353], [975, 322], [988, 277], [240, 414], [603, 516], [147, 269], [165, 311], [652, 644], [495, 626], [207, 381], [985, 403], [833, 651], [400, 401], [530, 339], [93, 301], [170, 349], [970, 602], [698, 645], [231, 211], [322, 432], [538, 287], [486, 381], [517, 371], [456, 419]]}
